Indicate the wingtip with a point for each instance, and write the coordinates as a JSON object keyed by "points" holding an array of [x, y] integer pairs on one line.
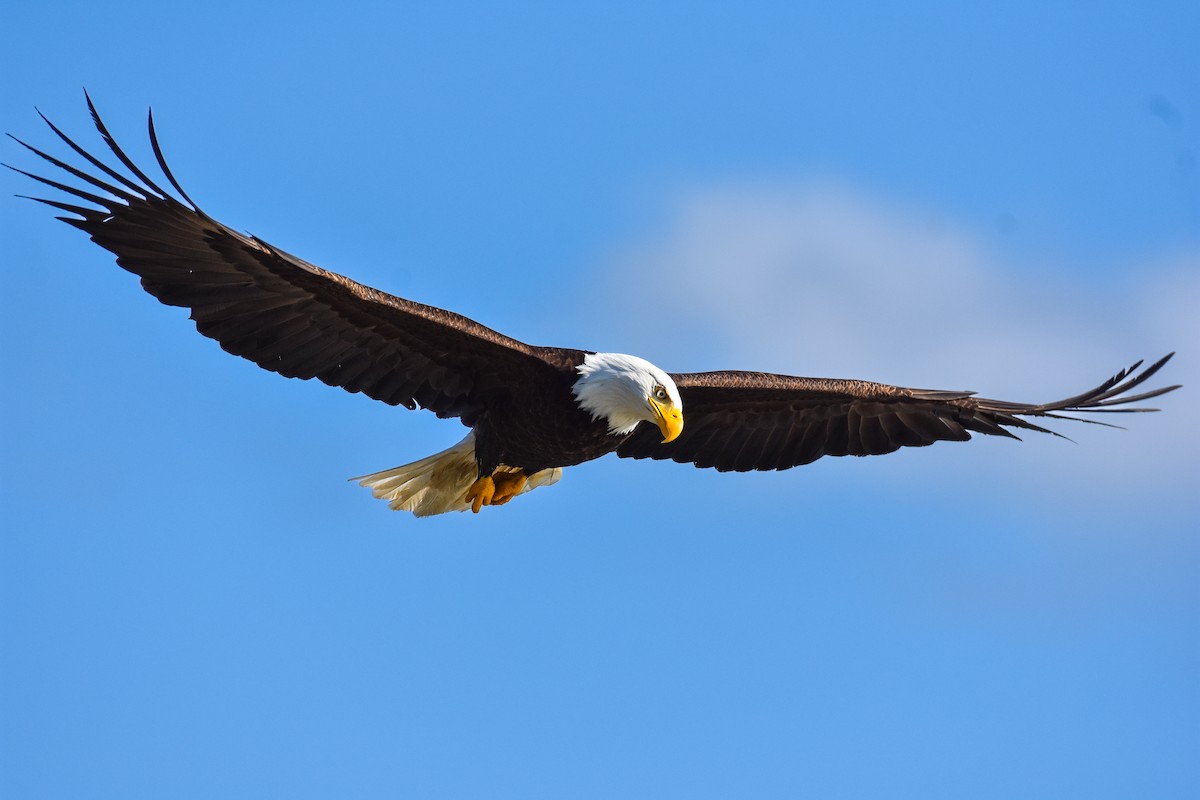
{"points": [[91, 106]]}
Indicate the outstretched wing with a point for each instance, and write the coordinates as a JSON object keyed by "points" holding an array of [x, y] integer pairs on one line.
{"points": [[281, 312], [741, 421]]}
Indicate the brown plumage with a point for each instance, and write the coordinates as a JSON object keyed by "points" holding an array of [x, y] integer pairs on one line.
{"points": [[742, 421], [528, 408]]}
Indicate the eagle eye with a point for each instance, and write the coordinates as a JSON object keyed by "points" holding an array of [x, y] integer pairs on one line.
{"points": [[660, 393]]}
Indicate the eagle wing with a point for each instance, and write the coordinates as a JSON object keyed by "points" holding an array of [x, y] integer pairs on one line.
{"points": [[741, 421], [281, 312]]}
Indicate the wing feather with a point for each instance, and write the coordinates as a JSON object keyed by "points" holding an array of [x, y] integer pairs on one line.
{"points": [[741, 421], [809, 444], [281, 312]]}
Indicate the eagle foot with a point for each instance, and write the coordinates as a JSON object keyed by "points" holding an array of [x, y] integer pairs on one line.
{"points": [[508, 486], [481, 493], [495, 489]]}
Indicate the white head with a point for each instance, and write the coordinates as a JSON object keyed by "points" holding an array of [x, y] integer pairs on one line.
{"points": [[625, 390]]}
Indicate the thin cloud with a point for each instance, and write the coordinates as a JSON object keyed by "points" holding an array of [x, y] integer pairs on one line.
{"points": [[821, 279]]}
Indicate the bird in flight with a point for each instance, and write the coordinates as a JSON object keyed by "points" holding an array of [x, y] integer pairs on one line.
{"points": [[530, 410]]}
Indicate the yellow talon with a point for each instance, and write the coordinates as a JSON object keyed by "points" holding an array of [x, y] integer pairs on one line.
{"points": [[495, 489], [480, 494], [508, 486]]}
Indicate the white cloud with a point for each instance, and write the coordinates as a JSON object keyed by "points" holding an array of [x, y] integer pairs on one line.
{"points": [[821, 279]]}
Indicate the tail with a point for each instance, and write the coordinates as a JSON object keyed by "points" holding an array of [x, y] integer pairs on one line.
{"points": [[439, 483]]}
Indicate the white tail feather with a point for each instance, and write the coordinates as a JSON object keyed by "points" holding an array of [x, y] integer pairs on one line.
{"points": [[439, 483]]}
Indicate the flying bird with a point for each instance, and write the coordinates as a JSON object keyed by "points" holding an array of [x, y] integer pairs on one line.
{"points": [[530, 410]]}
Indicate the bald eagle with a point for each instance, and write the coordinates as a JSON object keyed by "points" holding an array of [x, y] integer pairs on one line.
{"points": [[530, 411]]}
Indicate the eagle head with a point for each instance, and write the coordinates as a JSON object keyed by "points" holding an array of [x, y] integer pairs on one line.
{"points": [[626, 390]]}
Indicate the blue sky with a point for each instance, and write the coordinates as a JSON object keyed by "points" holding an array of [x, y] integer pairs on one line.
{"points": [[195, 603]]}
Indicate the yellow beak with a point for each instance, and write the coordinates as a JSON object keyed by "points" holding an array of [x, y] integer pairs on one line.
{"points": [[670, 420]]}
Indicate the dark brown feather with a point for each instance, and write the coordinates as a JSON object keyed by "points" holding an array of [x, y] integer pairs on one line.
{"points": [[741, 421], [287, 315]]}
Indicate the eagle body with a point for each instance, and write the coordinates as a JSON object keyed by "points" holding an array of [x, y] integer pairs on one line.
{"points": [[580, 420], [530, 410], [563, 435]]}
